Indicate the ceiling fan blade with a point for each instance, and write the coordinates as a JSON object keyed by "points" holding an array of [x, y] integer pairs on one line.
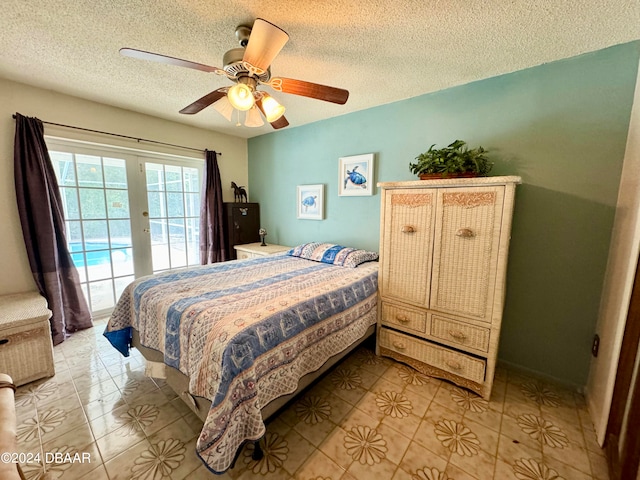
{"points": [[279, 123], [309, 89], [204, 102], [156, 57], [265, 42]]}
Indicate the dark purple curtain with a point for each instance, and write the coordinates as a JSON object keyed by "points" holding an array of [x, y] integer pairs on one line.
{"points": [[43, 228], [211, 213]]}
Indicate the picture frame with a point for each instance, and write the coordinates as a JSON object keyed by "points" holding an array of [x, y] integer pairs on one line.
{"points": [[355, 175], [310, 201]]}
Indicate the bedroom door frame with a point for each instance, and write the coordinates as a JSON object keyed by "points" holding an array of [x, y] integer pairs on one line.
{"points": [[623, 449]]}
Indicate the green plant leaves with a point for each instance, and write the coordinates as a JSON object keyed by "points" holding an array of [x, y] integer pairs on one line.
{"points": [[454, 158]]}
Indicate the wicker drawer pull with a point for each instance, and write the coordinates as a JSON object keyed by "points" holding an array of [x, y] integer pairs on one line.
{"points": [[465, 233], [402, 318], [453, 365], [408, 229], [457, 334], [399, 346]]}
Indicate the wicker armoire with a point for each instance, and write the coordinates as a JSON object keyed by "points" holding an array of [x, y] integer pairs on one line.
{"points": [[443, 262]]}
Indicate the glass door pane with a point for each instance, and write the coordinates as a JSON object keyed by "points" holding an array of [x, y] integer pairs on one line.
{"points": [[94, 192], [173, 199]]}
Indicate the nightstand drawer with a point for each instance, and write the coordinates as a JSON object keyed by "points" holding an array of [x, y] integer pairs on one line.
{"points": [[242, 255], [450, 361], [404, 318], [458, 333], [253, 250]]}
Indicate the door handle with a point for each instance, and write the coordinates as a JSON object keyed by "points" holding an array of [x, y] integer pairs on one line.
{"points": [[457, 334], [465, 233], [453, 364]]}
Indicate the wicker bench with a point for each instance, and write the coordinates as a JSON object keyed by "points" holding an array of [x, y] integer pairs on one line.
{"points": [[26, 350]]}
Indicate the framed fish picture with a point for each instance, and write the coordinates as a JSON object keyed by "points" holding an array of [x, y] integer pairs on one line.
{"points": [[356, 176], [311, 202]]}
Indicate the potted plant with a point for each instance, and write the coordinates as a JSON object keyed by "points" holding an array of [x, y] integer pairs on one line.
{"points": [[455, 160]]}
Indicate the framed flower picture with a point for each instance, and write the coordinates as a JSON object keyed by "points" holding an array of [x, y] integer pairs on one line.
{"points": [[311, 202], [355, 175]]}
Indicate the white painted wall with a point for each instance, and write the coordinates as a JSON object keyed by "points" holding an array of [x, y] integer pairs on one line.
{"points": [[15, 273], [618, 283]]}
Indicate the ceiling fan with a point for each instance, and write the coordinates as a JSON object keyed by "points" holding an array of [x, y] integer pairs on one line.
{"points": [[248, 67]]}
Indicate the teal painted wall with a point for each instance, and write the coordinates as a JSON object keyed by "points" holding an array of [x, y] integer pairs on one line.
{"points": [[561, 126]]}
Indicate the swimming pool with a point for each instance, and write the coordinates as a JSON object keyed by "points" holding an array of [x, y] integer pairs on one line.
{"points": [[98, 253]]}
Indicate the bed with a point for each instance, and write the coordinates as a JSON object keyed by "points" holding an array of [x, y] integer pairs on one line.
{"points": [[237, 339]]}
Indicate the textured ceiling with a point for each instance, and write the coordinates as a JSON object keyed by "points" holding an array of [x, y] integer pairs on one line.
{"points": [[380, 51]]}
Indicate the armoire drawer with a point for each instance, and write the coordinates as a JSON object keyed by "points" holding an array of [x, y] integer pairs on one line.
{"points": [[459, 333], [451, 361], [404, 318]]}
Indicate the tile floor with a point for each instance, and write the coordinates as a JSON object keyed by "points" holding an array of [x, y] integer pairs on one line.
{"points": [[370, 419]]}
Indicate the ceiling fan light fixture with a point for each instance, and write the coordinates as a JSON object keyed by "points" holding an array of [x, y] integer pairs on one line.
{"points": [[241, 97], [253, 118], [224, 108], [272, 109], [248, 67]]}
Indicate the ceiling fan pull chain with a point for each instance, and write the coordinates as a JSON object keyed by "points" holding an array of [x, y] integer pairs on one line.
{"points": [[238, 124]]}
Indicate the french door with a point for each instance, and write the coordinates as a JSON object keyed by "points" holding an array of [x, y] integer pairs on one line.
{"points": [[128, 214], [173, 214]]}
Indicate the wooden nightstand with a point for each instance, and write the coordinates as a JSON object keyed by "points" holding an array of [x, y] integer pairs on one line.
{"points": [[252, 250]]}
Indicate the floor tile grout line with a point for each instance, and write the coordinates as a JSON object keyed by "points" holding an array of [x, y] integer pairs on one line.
{"points": [[95, 440], [441, 386], [541, 441]]}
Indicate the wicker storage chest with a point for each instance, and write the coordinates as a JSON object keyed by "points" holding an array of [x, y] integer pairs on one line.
{"points": [[443, 261], [26, 350]]}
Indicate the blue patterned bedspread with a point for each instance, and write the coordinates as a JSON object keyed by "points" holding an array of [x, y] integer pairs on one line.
{"points": [[245, 332]]}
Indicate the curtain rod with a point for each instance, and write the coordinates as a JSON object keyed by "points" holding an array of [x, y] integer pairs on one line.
{"points": [[124, 136]]}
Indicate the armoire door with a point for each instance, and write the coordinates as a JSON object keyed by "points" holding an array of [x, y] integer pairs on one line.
{"points": [[408, 236], [466, 243]]}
